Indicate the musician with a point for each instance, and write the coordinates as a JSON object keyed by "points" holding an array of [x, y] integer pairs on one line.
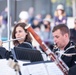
{"points": [[66, 49], [19, 31]]}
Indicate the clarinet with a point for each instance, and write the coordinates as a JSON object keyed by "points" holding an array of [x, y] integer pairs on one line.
{"points": [[63, 67]]}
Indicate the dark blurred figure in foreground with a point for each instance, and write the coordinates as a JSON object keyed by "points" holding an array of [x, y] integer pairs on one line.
{"points": [[73, 33]]}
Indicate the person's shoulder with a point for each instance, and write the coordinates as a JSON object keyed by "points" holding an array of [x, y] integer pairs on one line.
{"points": [[26, 45], [71, 45], [72, 30]]}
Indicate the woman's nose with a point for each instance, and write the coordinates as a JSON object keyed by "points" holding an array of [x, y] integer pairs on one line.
{"points": [[17, 34]]}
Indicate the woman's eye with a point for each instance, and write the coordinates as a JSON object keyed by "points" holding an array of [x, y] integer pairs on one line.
{"points": [[20, 31]]}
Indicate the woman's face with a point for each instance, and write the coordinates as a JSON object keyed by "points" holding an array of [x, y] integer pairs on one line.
{"points": [[20, 33], [59, 12]]}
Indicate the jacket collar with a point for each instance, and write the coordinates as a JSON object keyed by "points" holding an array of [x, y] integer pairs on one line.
{"points": [[69, 44]]}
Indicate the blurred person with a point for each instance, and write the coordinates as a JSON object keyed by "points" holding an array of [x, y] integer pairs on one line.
{"points": [[36, 25], [4, 16], [47, 33], [61, 34], [1, 27], [60, 16], [48, 16], [39, 16], [4, 21], [31, 14], [37, 28], [73, 33], [23, 16], [25, 39]]}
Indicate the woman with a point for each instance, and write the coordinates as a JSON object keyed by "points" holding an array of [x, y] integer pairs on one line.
{"points": [[60, 16], [23, 39], [47, 33], [19, 31]]}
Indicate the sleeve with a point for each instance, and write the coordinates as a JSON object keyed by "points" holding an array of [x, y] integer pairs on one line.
{"points": [[5, 54]]}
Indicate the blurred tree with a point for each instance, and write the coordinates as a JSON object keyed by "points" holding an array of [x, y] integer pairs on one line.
{"points": [[69, 2], [53, 1]]}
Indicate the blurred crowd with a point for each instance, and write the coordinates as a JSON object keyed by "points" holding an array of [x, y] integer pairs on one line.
{"points": [[42, 25]]}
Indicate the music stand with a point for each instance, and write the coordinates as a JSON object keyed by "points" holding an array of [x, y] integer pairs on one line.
{"points": [[27, 54]]}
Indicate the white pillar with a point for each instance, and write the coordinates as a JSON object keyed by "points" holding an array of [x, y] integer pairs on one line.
{"points": [[73, 7], [9, 24]]}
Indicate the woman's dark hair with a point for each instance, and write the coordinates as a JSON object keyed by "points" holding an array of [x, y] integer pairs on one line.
{"points": [[28, 37]]}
